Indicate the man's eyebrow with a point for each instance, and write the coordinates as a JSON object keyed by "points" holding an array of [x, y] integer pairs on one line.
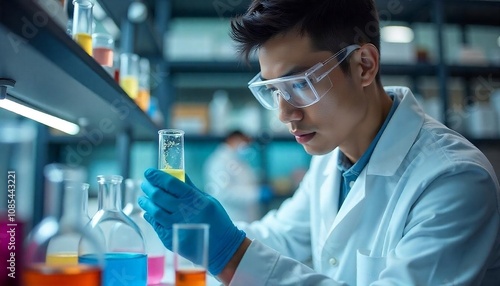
{"points": [[294, 71]]}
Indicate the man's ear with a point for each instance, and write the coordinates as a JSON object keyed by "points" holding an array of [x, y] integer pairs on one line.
{"points": [[369, 63]]}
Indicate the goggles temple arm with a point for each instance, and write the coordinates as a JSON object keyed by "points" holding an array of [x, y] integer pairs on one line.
{"points": [[347, 50]]}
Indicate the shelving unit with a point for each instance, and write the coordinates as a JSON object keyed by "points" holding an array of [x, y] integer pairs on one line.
{"points": [[440, 13], [48, 62], [53, 74]]}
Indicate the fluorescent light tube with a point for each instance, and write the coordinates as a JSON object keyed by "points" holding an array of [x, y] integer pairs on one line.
{"points": [[44, 118], [397, 34]]}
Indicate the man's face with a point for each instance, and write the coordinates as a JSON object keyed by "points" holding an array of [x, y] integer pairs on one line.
{"points": [[331, 121]]}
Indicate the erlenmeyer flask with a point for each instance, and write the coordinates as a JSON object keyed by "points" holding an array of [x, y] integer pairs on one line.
{"points": [[154, 247], [125, 256], [54, 244], [61, 249]]}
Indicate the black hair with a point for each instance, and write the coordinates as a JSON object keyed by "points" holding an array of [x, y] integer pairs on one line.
{"points": [[331, 24]]}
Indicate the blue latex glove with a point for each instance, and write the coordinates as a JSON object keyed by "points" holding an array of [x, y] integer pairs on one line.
{"points": [[170, 201]]}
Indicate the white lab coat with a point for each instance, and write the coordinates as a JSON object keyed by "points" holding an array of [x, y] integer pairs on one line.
{"points": [[234, 183], [424, 211]]}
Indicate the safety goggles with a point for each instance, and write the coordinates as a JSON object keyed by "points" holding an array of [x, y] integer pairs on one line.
{"points": [[301, 90]]}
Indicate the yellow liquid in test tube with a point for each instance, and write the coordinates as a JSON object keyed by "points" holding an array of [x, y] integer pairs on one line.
{"points": [[61, 259], [85, 41], [178, 173], [130, 85]]}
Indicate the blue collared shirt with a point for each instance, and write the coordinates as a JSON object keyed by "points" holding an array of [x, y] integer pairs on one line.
{"points": [[350, 171]]}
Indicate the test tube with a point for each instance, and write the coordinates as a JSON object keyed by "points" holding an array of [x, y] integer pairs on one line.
{"points": [[129, 74], [171, 152], [82, 24]]}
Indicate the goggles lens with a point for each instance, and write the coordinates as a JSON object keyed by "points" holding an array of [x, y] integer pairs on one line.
{"points": [[298, 90]]}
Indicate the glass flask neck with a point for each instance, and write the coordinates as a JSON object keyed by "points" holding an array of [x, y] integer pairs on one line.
{"points": [[63, 193], [109, 196], [132, 193], [85, 202]]}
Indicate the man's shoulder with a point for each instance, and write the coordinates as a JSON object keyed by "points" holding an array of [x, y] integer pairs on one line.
{"points": [[443, 147]]}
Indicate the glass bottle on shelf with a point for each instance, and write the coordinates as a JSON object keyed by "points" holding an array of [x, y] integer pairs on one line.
{"points": [[82, 24], [219, 109], [54, 244], [154, 247], [143, 96], [125, 253], [129, 74]]}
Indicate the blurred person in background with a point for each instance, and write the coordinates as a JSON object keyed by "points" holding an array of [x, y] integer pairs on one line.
{"points": [[231, 179]]}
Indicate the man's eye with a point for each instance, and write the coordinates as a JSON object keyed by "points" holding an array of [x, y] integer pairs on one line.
{"points": [[300, 85], [271, 89]]}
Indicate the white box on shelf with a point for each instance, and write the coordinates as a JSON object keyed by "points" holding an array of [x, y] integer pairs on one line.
{"points": [[399, 53]]}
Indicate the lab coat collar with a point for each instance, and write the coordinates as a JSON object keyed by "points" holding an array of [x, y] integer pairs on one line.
{"points": [[399, 135], [391, 149], [332, 164]]}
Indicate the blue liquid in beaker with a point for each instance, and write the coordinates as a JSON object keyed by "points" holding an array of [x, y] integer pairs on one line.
{"points": [[122, 268]]}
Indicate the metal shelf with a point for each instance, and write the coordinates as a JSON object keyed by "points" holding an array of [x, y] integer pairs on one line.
{"points": [[212, 67], [474, 71], [53, 74], [481, 12], [461, 12], [417, 69]]}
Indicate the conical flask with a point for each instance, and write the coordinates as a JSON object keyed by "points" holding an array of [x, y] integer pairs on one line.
{"points": [[60, 249], [154, 247], [54, 244], [125, 254]]}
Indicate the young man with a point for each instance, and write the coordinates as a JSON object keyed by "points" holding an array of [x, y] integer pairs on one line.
{"points": [[392, 197]]}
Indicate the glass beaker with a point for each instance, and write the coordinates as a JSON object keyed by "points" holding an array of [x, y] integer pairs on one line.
{"points": [[125, 257], [171, 152], [143, 96], [82, 24], [154, 247], [54, 244], [129, 74], [102, 49], [190, 259]]}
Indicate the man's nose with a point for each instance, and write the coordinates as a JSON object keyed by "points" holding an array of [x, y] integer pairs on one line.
{"points": [[287, 112]]}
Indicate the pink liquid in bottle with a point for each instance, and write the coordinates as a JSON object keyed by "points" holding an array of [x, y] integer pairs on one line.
{"points": [[156, 268], [104, 56]]}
